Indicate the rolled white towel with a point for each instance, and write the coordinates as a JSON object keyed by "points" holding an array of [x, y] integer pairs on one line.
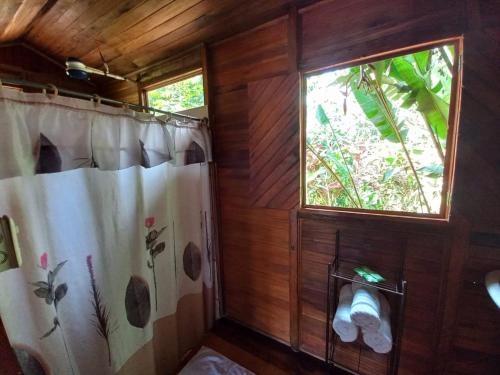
{"points": [[365, 308], [381, 340], [356, 286], [342, 323]]}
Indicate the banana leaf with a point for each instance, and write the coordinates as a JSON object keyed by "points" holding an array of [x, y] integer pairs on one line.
{"points": [[423, 61], [375, 111], [321, 115], [434, 109], [433, 171]]}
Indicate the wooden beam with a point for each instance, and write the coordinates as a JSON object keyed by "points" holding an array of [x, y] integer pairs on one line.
{"points": [[294, 291], [292, 40], [204, 72]]}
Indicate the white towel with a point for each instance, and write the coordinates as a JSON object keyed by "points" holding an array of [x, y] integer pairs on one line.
{"points": [[356, 286], [380, 340], [342, 323], [365, 308]]}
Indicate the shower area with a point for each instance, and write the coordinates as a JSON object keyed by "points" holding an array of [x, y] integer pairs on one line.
{"points": [[108, 254]]}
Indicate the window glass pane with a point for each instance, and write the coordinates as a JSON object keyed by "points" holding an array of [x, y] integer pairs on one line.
{"points": [[178, 96], [376, 133]]}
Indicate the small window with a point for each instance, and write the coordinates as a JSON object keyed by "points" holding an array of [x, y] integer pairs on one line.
{"points": [[380, 135], [179, 95]]}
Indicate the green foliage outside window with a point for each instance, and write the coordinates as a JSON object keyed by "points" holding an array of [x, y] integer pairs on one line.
{"points": [[376, 133], [178, 96]]}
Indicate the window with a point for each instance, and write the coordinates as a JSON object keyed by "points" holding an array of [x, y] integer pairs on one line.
{"points": [[179, 95], [380, 135]]}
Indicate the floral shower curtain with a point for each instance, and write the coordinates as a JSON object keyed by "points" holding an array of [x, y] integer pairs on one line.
{"points": [[114, 227]]}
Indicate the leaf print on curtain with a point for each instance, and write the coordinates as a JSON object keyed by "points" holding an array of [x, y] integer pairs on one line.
{"points": [[89, 160], [137, 302], [208, 245], [154, 249], [52, 295], [145, 162], [155, 155], [49, 159], [192, 261], [4, 256], [102, 315], [194, 154]]}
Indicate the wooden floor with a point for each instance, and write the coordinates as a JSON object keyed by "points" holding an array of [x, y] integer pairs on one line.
{"points": [[259, 353]]}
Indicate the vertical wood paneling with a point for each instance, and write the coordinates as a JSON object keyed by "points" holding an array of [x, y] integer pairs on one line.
{"points": [[256, 268], [255, 239]]}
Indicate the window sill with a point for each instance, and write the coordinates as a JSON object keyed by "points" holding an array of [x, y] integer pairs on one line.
{"points": [[325, 213]]}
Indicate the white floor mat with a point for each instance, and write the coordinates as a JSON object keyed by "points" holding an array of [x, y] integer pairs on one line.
{"points": [[209, 362]]}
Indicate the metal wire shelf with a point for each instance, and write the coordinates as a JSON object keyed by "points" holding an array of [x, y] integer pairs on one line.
{"points": [[339, 272]]}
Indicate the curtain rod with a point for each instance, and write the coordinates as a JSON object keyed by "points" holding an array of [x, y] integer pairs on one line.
{"points": [[77, 94]]}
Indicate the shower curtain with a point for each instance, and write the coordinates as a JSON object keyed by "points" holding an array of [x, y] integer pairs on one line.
{"points": [[114, 227]]}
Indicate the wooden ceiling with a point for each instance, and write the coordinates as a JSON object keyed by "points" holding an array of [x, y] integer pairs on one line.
{"points": [[131, 34]]}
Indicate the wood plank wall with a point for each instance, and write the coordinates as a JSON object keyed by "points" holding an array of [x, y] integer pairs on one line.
{"points": [[274, 258], [251, 88], [254, 91], [378, 243]]}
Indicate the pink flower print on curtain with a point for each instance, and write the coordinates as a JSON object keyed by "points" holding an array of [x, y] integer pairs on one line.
{"points": [[149, 222], [44, 260]]}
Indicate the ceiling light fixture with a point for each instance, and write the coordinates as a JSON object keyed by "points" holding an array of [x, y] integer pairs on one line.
{"points": [[78, 70]]}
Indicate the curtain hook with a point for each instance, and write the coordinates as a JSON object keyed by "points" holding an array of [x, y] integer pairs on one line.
{"points": [[54, 88]]}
